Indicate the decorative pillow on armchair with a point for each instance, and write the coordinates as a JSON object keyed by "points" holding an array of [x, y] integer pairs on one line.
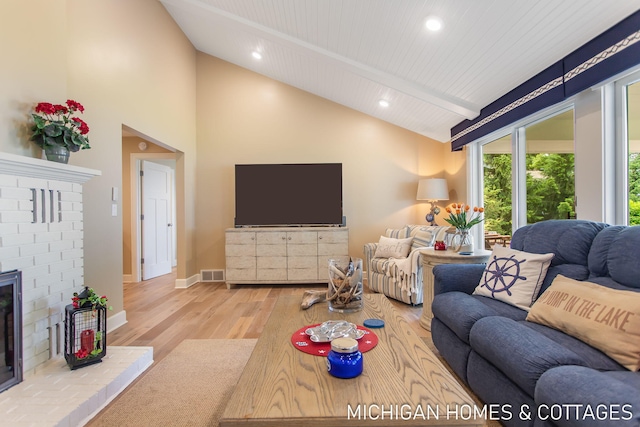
{"points": [[423, 239], [514, 277], [393, 248], [398, 233]]}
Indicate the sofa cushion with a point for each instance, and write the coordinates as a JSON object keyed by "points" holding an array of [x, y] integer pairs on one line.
{"points": [[630, 378], [613, 397], [604, 318], [614, 254], [519, 352], [610, 283], [513, 276], [569, 240], [591, 356], [492, 387], [600, 250], [389, 247], [454, 351], [460, 311], [573, 271], [505, 310]]}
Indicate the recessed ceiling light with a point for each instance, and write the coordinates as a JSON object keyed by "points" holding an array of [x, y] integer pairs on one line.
{"points": [[256, 55], [383, 103], [433, 23]]}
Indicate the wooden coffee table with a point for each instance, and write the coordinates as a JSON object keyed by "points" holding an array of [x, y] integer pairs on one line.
{"points": [[282, 386]]}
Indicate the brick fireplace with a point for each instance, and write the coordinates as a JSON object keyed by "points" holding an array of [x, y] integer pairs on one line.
{"points": [[41, 235]]}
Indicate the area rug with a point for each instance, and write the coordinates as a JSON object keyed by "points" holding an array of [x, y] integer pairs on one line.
{"points": [[189, 387]]}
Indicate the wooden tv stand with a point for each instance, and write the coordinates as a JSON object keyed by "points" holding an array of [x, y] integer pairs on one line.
{"points": [[283, 254]]}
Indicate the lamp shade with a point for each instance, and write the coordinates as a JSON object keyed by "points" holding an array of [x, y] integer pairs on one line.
{"points": [[433, 189]]}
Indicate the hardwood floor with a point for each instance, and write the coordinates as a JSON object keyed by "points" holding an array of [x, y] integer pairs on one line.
{"points": [[161, 316]]}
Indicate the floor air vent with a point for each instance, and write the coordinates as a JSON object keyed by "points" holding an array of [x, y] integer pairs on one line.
{"points": [[212, 275]]}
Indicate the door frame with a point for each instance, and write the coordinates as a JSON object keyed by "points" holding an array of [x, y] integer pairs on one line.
{"points": [[136, 229]]}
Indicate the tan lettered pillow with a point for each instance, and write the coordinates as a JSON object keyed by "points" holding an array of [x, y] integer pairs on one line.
{"points": [[513, 276], [607, 319], [393, 248]]}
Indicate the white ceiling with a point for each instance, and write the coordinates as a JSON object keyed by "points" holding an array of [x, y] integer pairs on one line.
{"points": [[356, 52]]}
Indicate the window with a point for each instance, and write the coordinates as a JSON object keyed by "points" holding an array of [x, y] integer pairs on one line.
{"points": [[550, 169], [527, 175], [496, 169], [627, 92]]}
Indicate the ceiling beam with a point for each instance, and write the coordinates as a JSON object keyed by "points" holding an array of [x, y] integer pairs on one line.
{"points": [[453, 104]]}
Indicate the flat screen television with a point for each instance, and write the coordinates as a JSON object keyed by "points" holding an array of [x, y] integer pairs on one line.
{"points": [[288, 194]]}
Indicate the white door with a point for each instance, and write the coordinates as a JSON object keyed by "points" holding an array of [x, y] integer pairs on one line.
{"points": [[156, 220]]}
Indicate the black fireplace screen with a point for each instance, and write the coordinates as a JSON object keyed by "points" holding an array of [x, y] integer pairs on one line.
{"points": [[10, 329]]}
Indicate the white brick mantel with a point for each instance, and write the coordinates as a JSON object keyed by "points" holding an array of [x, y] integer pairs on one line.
{"points": [[41, 234], [11, 164]]}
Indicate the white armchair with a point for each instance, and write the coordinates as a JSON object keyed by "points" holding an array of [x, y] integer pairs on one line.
{"points": [[401, 278]]}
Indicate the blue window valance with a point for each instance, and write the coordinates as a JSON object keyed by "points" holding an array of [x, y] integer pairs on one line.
{"points": [[612, 52]]}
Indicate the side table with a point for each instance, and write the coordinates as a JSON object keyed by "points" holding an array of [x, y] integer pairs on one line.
{"points": [[431, 258]]}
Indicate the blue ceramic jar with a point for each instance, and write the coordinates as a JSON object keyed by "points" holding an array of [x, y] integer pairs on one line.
{"points": [[344, 359]]}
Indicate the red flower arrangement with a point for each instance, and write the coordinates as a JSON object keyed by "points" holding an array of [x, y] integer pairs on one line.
{"points": [[55, 124], [89, 297], [82, 353]]}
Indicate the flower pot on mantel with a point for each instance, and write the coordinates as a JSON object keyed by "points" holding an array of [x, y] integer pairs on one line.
{"points": [[57, 153]]}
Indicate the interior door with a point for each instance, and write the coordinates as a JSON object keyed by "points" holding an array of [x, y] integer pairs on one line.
{"points": [[156, 219]]}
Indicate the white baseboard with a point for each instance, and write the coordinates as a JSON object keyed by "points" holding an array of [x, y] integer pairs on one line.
{"points": [[127, 278], [117, 320], [185, 283]]}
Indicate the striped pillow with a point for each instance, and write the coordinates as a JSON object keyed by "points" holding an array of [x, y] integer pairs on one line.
{"points": [[398, 233], [423, 239]]}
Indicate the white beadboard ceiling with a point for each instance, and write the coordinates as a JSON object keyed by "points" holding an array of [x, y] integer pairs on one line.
{"points": [[356, 52]]}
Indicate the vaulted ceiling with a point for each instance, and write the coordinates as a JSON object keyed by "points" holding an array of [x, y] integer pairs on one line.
{"points": [[358, 52]]}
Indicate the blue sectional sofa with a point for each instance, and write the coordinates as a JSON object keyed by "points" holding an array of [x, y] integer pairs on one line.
{"points": [[507, 360]]}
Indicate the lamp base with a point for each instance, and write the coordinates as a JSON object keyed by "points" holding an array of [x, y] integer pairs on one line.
{"points": [[431, 219], [431, 216]]}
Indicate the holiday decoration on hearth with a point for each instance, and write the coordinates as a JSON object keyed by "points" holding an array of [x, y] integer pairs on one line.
{"points": [[85, 329]]}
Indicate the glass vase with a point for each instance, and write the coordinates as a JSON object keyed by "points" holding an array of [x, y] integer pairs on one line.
{"points": [[344, 294], [463, 241]]}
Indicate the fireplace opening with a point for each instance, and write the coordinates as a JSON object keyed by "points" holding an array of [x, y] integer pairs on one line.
{"points": [[10, 329]]}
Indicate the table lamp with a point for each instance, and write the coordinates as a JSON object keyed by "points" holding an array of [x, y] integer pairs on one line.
{"points": [[432, 190]]}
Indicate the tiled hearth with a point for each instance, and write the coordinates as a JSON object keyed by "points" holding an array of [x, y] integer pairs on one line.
{"points": [[55, 396], [58, 397]]}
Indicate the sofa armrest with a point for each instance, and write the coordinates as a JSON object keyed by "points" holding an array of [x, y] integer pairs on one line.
{"points": [[457, 277], [369, 251], [613, 396]]}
